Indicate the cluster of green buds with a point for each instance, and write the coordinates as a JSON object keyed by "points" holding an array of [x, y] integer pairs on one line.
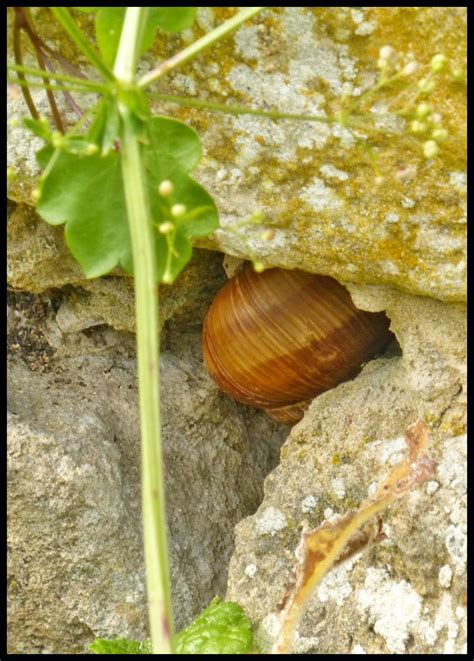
{"points": [[166, 190], [425, 121], [387, 61], [429, 124], [391, 64]]}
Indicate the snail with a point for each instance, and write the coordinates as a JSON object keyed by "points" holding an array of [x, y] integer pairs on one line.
{"points": [[277, 339]]}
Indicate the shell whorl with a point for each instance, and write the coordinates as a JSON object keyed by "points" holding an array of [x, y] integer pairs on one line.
{"points": [[280, 337]]}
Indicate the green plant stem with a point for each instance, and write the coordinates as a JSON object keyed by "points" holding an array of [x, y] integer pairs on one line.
{"points": [[17, 51], [129, 49], [89, 85], [146, 307], [63, 16], [237, 110], [198, 46], [44, 86], [25, 14]]}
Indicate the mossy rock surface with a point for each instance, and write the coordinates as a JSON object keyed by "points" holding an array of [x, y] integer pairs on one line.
{"points": [[316, 186]]}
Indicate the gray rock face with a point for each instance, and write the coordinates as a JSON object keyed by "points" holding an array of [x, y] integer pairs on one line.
{"points": [[405, 595], [39, 260], [75, 565], [75, 552]]}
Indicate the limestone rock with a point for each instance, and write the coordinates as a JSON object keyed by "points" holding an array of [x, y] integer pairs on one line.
{"points": [[405, 595], [75, 565], [314, 181], [38, 260]]}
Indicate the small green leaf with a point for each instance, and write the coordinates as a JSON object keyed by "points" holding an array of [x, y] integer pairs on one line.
{"points": [[44, 155], [109, 22], [173, 146], [119, 646], [97, 126], [222, 628], [174, 19], [39, 127], [86, 193], [111, 128], [108, 28], [104, 130]]}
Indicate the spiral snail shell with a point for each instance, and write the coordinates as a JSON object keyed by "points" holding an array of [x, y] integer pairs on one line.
{"points": [[277, 339]]}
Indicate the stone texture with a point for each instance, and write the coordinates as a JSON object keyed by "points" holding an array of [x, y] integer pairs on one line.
{"points": [[75, 566], [38, 260], [392, 598], [315, 184]]}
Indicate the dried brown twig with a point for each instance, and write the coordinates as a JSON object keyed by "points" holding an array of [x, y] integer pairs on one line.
{"points": [[333, 542]]}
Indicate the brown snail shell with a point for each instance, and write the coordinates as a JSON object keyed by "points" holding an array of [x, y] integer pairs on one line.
{"points": [[277, 339]]}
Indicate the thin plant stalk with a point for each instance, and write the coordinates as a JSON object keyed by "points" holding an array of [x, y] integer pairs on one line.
{"points": [[89, 85], [146, 308], [198, 46], [237, 110], [24, 16], [19, 61], [63, 16], [46, 63]]}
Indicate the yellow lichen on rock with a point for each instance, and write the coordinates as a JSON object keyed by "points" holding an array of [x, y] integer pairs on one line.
{"points": [[380, 202]]}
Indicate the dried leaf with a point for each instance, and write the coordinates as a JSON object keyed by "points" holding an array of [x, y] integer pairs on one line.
{"points": [[333, 542]]}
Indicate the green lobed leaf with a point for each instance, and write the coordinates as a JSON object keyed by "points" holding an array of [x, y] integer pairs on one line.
{"points": [[222, 628], [174, 19], [108, 28], [120, 646], [109, 22], [174, 147], [86, 193], [173, 150]]}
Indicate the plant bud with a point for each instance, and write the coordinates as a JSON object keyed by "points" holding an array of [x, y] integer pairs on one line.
{"points": [[165, 228], [178, 210], [430, 149], [438, 62], [166, 188]]}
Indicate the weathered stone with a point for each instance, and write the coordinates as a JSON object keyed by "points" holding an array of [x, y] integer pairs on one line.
{"points": [[401, 223], [75, 565], [390, 599], [39, 260], [37, 257]]}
